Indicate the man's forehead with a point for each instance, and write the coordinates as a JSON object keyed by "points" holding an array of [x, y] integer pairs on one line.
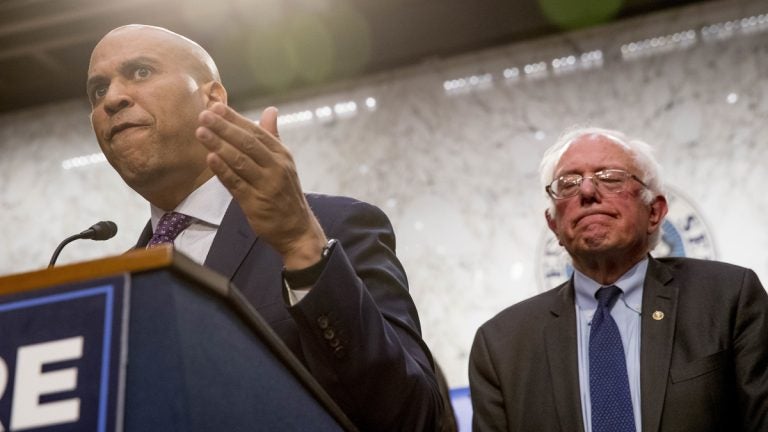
{"points": [[594, 149], [119, 48], [597, 139], [134, 40], [126, 40]]}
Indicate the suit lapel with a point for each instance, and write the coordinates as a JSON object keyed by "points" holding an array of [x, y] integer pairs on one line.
{"points": [[659, 315], [233, 241], [145, 237], [562, 353], [231, 244]]}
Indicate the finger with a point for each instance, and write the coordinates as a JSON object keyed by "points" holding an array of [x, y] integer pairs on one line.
{"points": [[268, 121], [239, 162], [241, 121], [265, 130], [226, 138], [237, 185]]}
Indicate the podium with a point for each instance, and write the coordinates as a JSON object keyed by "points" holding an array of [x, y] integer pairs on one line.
{"points": [[147, 341]]}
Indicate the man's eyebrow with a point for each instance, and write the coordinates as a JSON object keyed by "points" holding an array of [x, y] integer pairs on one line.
{"points": [[125, 67], [95, 79], [566, 172], [138, 61]]}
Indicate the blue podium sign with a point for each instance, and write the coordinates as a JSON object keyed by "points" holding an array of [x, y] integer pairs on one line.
{"points": [[61, 351]]}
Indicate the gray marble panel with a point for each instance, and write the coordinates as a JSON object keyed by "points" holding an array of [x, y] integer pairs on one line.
{"points": [[456, 169]]}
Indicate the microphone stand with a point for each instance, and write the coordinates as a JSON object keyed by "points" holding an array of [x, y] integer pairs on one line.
{"points": [[66, 241], [103, 230]]}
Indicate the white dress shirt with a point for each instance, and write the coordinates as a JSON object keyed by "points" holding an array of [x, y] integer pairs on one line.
{"points": [[627, 314], [207, 204]]}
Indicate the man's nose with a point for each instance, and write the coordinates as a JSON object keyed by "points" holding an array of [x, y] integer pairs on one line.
{"points": [[117, 98], [588, 187]]}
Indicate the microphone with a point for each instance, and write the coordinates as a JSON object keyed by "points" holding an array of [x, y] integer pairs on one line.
{"points": [[99, 231], [103, 230]]}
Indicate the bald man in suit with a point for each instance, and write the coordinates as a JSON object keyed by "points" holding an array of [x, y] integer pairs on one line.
{"points": [[320, 269]]}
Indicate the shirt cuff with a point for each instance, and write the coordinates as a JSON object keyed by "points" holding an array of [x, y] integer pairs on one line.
{"points": [[295, 295]]}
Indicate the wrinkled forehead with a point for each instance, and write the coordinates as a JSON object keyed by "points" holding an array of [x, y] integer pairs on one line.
{"points": [[130, 41], [595, 152]]}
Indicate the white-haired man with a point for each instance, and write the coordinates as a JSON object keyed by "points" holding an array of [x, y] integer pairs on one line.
{"points": [[630, 342]]}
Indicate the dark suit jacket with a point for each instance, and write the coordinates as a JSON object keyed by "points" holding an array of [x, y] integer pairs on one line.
{"points": [[357, 330], [703, 367]]}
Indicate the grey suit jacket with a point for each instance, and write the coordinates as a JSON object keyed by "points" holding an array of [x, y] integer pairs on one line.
{"points": [[357, 330], [703, 366]]}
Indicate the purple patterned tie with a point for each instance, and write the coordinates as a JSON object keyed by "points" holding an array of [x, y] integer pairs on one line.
{"points": [[608, 382], [169, 226]]}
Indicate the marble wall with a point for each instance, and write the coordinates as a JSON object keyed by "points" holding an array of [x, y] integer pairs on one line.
{"points": [[453, 162]]}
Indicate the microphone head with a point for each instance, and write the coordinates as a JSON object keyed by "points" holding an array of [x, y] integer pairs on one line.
{"points": [[101, 231]]}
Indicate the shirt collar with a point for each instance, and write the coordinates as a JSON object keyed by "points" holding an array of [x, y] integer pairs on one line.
{"points": [[631, 284], [206, 204]]}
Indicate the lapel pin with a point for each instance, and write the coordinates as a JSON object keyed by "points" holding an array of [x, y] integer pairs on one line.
{"points": [[658, 315]]}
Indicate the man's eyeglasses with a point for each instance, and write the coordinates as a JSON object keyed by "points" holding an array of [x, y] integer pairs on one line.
{"points": [[606, 181]]}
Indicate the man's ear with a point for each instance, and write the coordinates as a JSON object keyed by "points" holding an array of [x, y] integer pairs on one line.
{"points": [[215, 92], [552, 224], [550, 220], [658, 209]]}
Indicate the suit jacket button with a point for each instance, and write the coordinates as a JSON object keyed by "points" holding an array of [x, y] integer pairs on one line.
{"points": [[322, 321], [334, 343], [329, 334]]}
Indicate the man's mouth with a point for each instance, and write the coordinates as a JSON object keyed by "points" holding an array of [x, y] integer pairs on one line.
{"points": [[121, 127], [591, 215]]}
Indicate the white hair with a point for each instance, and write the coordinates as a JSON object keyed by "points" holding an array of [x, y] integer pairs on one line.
{"points": [[642, 154]]}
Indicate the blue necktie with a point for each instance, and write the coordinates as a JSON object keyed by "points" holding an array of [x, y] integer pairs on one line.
{"points": [[608, 382]]}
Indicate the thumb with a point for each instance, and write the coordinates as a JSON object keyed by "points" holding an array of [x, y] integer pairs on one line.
{"points": [[268, 121]]}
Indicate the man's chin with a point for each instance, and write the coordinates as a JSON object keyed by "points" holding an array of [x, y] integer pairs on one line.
{"points": [[137, 177], [592, 247], [595, 239]]}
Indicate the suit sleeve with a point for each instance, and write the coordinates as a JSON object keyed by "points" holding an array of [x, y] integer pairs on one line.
{"points": [[751, 353], [359, 330], [485, 390]]}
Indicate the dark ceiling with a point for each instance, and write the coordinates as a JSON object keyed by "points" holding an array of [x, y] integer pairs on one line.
{"points": [[266, 47]]}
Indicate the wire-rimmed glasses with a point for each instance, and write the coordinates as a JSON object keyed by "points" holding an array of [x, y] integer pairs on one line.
{"points": [[610, 181]]}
